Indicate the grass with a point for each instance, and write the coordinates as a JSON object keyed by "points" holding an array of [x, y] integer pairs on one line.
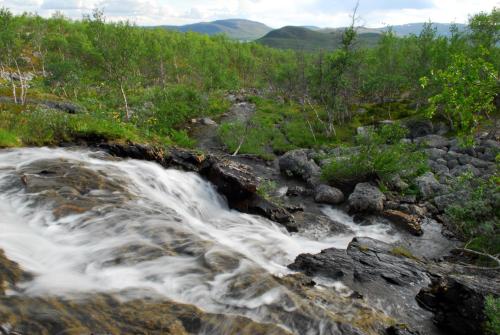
{"points": [[403, 252], [8, 139], [380, 156]]}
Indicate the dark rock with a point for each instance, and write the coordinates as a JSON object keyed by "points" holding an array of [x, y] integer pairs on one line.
{"points": [[461, 169], [296, 163], [400, 330], [458, 301], [435, 153], [63, 106], [317, 226], [433, 141], [295, 191], [235, 181], [366, 198], [410, 223], [428, 185], [257, 205], [328, 195], [376, 270], [419, 127]]}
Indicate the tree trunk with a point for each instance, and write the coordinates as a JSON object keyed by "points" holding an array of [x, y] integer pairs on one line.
{"points": [[21, 80], [127, 110]]}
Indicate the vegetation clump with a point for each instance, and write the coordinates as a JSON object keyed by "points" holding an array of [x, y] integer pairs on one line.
{"points": [[380, 155]]}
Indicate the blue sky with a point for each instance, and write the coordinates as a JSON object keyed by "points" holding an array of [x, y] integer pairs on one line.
{"points": [[275, 13]]}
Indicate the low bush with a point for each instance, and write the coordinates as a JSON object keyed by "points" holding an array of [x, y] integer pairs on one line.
{"points": [[475, 215], [492, 311], [381, 155]]}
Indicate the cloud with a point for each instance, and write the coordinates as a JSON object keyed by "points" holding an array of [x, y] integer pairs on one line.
{"points": [[275, 13]]}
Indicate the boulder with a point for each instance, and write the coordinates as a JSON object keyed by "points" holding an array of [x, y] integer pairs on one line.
{"points": [[457, 301], [428, 185], [467, 168], [376, 270], [435, 153], [296, 163], [328, 195], [410, 223], [419, 127], [295, 191], [433, 141], [366, 198]]}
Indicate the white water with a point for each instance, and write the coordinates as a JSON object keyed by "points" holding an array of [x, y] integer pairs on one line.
{"points": [[175, 237]]}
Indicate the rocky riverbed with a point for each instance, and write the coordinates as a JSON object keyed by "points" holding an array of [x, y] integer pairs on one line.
{"points": [[127, 238]]}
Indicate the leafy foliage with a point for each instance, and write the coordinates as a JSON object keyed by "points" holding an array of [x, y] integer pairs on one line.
{"points": [[380, 155], [476, 212], [492, 311], [468, 87]]}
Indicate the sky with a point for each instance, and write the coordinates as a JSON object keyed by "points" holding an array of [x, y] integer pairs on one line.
{"points": [[275, 13]]}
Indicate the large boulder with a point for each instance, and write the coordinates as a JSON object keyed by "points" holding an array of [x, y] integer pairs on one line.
{"points": [[297, 163], [377, 270], [419, 127], [366, 198], [457, 301], [428, 185], [328, 195]]}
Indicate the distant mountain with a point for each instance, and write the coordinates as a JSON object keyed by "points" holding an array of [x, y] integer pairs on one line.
{"points": [[300, 38], [307, 39], [238, 29]]}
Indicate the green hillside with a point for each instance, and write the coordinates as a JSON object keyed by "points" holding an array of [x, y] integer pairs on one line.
{"points": [[300, 38]]}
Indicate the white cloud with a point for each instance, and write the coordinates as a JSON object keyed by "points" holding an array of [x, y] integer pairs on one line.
{"points": [[276, 13]]}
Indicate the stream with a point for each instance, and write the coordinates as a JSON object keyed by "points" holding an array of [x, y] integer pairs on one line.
{"points": [[84, 222]]}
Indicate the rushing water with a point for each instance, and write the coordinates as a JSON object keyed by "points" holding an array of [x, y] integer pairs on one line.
{"points": [[156, 232]]}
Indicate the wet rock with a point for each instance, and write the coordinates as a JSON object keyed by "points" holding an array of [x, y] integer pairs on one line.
{"points": [[376, 270], [296, 163], [366, 198], [317, 226], [103, 314], [10, 274], [366, 260], [260, 206], [410, 223], [236, 181], [239, 185], [433, 141], [428, 185], [296, 191], [400, 330], [328, 195], [457, 301]]}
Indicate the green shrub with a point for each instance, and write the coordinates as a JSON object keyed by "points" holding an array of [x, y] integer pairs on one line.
{"points": [[475, 214], [380, 155], [492, 311]]}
